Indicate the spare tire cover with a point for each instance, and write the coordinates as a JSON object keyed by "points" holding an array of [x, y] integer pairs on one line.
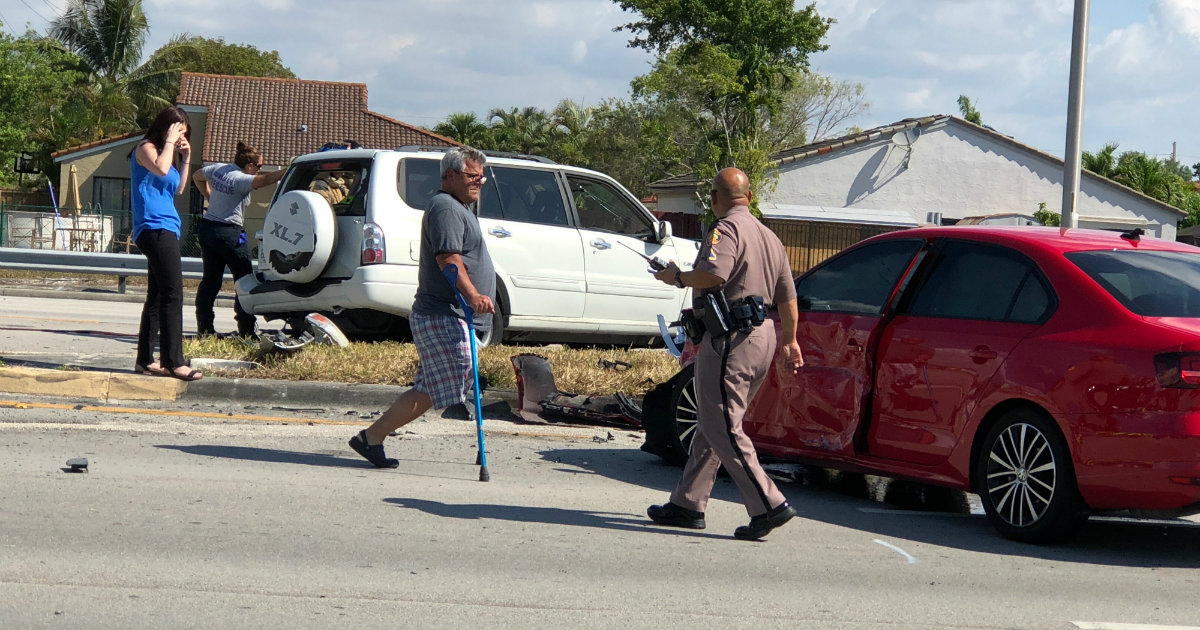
{"points": [[298, 237]]}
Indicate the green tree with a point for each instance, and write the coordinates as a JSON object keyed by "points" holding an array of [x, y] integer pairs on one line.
{"points": [[731, 61], [1045, 216], [529, 130], [1102, 162], [192, 53], [968, 111], [37, 80], [108, 36], [467, 129]]}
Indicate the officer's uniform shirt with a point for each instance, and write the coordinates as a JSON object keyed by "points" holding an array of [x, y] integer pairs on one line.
{"points": [[749, 257]]}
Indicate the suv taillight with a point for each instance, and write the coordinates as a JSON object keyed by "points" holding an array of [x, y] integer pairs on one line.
{"points": [[1178, 369], [372, 244]]}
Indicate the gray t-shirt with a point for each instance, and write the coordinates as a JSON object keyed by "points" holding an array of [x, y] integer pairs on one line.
{"points": [[449, 228], [231, 188]]}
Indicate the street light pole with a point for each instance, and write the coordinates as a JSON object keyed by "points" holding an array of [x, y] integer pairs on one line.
{"points": [[1073, 158]]}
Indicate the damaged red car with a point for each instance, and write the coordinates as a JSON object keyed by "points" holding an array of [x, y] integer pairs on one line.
{"points": [[1054, 372]]}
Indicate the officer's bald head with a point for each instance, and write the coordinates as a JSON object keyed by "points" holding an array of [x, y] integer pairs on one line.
{"points": [[731, 188]]}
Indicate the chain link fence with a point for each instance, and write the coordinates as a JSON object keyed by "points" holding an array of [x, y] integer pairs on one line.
{"points": [[89, 230]]}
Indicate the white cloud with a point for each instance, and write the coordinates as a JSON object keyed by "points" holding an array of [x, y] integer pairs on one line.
{"points": [[578, 51], [1181, 16], [917, 100]]}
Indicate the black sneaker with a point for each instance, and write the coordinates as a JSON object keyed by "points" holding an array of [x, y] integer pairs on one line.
{"points": [[762, 524], [372, 452], [675, 516]]}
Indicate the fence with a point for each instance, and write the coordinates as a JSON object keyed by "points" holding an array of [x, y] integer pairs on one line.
{"points": [[809, 242], [90, 230]]}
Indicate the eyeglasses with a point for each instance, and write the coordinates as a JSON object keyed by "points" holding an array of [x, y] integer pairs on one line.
{"points": [[474, 177]]}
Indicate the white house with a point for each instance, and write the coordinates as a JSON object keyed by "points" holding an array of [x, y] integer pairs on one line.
{"points": [[938, 169]]}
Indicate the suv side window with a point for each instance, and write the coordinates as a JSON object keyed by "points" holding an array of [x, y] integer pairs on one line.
{"points": [[984, 282], [603, 209], [519, 194], [419, 180], [858, 281], [342, 183]]}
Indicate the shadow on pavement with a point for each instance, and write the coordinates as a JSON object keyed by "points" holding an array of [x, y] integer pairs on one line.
{"points": [[1102, 542], [550, 516], [269, 455]]}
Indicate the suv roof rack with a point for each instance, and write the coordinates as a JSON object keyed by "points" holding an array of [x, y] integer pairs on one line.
{"points": [[499, 154]]}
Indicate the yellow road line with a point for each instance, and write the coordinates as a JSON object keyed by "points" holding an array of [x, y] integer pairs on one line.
{"points": [[12, 404], [171, 412]]}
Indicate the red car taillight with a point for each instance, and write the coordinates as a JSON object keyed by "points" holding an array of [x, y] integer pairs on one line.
{"points": [[1178, 369], [372, 244]]}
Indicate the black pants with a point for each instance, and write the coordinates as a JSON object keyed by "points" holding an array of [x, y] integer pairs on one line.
{"points": [[162, 315], [221, 245]]}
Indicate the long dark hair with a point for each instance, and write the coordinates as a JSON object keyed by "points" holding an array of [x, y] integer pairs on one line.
{"points": [[157, 133]]}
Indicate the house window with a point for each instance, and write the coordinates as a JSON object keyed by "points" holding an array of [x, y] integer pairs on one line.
{"points": [[110, 193]]}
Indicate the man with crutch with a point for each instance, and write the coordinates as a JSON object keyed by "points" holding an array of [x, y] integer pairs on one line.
{"points": [[450, 235]]}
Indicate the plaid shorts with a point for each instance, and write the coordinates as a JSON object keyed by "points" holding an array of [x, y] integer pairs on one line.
{"points": [[444, 358]]}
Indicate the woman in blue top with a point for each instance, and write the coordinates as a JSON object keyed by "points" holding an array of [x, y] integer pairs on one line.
{"points": [[156, 181]]}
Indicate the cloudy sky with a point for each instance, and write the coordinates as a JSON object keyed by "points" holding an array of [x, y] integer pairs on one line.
{"points": [[422, 60]]}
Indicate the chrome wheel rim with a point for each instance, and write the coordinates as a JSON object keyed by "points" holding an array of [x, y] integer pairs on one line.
{"points": [[1021, 475], [685, 415]]}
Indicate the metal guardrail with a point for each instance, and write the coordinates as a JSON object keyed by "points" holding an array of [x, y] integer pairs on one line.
{"points": [[120, 265]]}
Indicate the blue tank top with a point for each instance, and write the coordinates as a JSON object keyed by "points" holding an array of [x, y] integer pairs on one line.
{"points": [[153, 199]]}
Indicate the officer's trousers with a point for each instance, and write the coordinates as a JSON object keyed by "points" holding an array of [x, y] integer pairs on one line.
{"points": [[729, 372]]}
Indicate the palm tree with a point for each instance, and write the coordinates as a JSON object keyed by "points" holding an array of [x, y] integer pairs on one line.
{"points": [[529, 130], [1103, 162], [467, 129], [969, 113], [107, 36]]}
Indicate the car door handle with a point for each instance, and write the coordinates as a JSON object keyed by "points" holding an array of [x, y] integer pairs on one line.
{"points": [[600, 244], [499, 232], [983, 354], [854, 346]]}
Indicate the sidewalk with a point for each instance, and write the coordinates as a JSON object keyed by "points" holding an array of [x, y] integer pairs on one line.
{"points": [[74, 377]]}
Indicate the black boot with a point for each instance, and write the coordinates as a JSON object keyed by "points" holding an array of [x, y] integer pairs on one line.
{"points": [[762, 524], [675, 516]]}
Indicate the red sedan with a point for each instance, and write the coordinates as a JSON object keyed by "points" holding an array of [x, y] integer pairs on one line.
{"points": [[1054, 372]]}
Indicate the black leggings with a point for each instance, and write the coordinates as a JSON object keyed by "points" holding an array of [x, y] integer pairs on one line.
{"points": [[162, 315]]}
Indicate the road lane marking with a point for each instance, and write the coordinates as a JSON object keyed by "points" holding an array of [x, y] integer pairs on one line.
{"points": [[908, 556], [1104, 625], [12, 404]]}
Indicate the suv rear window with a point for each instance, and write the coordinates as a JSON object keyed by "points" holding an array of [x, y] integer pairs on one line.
{"points": [[420, 180], [343, 183], [1151, 284]]}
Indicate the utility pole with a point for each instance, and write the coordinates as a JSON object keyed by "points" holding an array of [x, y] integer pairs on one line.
{"points": [[1073, 158]]}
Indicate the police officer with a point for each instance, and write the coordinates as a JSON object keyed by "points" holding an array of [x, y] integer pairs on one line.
{"points": [[739, 260]]}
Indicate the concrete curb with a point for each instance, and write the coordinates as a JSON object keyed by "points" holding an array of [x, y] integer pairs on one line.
{"points": [[117, 386]]}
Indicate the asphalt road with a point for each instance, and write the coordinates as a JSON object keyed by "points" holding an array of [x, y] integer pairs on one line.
{"points": [[202, 522], [223, 514]]}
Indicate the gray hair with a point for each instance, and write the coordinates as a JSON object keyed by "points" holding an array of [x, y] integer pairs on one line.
{"points": [[458, 157]]}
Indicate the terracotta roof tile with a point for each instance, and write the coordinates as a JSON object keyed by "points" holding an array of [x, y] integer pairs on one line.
{"points": [[284, 118]]}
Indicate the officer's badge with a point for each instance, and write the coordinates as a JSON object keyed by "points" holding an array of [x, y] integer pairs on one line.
{"points": [[713, 239]]}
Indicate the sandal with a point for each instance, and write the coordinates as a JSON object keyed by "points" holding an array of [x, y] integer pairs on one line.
{"points": [[153, 369], [193, 375], [372, 452]]}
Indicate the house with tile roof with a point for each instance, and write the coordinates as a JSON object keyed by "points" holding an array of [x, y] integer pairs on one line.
{"points": [[282, 118], [933, 170]]}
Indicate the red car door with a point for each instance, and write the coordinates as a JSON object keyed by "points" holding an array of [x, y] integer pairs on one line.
{"points": [[943, 349], [841, 302]]}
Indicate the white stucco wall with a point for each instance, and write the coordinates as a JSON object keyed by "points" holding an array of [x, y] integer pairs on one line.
{"points": [[960, 171]]}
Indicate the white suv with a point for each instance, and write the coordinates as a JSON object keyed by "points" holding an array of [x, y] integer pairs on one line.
{"points": [[342, 237]]}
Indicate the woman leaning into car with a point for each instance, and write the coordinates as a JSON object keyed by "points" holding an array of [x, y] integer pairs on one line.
{"points": [[158, 174]]}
